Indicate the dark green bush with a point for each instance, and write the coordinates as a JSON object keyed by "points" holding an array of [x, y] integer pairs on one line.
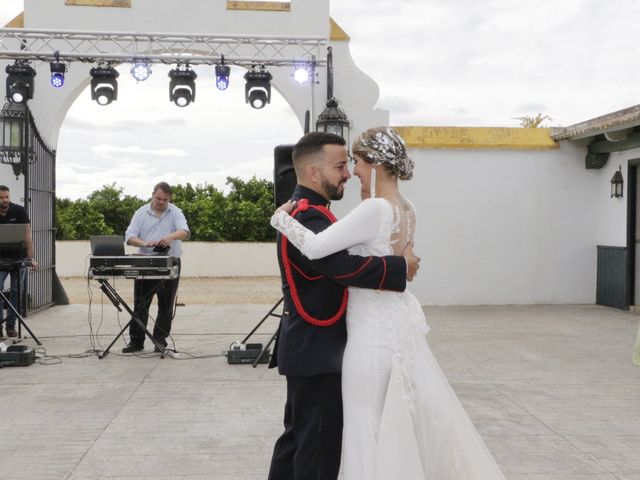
{"points": [[242, 215]]}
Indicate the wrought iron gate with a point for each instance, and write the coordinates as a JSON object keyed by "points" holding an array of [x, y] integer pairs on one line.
{"points": [[40, 202]]}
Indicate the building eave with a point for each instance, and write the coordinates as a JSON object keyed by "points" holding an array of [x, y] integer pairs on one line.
{"points": [[611, 122]]}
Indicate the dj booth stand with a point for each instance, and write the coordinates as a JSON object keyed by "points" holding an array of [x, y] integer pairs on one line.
{"points": [[117, 300], [136, 267]]}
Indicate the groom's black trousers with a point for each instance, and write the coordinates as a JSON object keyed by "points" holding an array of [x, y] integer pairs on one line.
{"points": [[310, 447]]}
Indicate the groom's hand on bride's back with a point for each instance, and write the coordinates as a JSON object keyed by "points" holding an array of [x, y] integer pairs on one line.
{"points": [[413, 262]]}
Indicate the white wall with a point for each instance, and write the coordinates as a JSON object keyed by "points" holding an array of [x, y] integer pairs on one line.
{"points": [[612, 212], [306, 18], [199, 259], [503, 227], [494, 227]]}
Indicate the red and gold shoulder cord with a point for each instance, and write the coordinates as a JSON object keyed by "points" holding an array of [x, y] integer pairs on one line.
{"points": [[303, 205]]}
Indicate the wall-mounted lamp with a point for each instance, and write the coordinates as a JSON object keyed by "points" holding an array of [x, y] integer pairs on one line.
{"points": [[617, 182]]}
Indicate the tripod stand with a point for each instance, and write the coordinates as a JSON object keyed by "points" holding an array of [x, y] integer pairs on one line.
{"points": [[117, 300], [265, 349], [21, 322], [16, 266]]}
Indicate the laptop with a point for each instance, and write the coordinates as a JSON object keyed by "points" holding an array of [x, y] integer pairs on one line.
{"points": [[13, 240], [107, 245]]}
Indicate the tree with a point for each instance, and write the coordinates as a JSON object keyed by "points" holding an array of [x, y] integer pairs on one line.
{"points": [[249, 209], [240, 216], [79, 220], [204, 206], [116, 208], [533, 122]]}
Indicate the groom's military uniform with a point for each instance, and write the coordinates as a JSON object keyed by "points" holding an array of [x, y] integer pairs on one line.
{"points": [[311, 340]]}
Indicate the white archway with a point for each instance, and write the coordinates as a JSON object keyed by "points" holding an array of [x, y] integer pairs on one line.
{"points": [[305, 18], [216, 136]]}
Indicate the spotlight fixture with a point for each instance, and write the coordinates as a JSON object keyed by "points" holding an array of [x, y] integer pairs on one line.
{"points": [[20, 82], [104, 86], [257, 90], [301, 73], [182, 87], [141, 71], [58, 70], [222, 75]]}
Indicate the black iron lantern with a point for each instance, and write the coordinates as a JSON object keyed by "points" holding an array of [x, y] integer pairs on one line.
{"points": [[333, 120], [12, 122], [617, 182]]}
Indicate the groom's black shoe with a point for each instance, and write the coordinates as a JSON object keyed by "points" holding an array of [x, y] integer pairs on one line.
{"points": [[133, 347]]}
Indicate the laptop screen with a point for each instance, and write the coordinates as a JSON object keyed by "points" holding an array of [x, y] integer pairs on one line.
{"points": [[13, 240], [107, 245]]}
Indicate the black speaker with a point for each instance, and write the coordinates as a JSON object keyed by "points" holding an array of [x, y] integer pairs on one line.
{"points": [[284, 176]]}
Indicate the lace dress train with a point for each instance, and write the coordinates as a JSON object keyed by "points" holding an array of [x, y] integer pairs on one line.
{"points": [[402, 419]]}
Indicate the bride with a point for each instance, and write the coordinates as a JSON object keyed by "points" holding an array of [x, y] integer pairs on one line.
{"points": [[401, 416]]}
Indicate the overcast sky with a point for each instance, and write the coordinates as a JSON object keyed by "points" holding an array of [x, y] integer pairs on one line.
{"points": [[457, 63]]}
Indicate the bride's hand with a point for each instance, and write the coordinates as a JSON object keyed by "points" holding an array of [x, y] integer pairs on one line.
{"points": [[287, 207]]}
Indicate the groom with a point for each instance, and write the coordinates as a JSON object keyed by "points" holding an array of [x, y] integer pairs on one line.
{"points": [[312, 332]]}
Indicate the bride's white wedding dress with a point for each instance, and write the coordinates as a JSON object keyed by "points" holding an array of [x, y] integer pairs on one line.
{"points": [[402, 419]]}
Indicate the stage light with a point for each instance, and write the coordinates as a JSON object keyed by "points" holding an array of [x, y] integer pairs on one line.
{"points": [[182, 87], [104, 86], [222, 76], [19, 82], [301, 74], [58, 70], [257, 90], [141, 71]]}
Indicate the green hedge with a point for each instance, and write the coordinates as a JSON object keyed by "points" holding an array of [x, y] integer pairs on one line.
{"points": [[242, 215]]}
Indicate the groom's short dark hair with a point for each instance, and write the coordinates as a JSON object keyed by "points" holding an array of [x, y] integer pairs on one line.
{"points": [[313, 142]]}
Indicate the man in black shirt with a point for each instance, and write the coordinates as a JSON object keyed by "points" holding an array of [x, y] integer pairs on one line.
{"points": [[12, 213]]}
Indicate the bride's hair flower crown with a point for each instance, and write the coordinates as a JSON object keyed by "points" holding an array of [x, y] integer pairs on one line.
{"points": [[384, 146]]}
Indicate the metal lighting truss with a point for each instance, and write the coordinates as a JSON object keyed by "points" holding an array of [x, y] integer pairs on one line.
{"points": [[167, 48]]}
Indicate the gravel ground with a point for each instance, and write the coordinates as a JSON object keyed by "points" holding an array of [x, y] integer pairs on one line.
{"points": [[192, 290]]}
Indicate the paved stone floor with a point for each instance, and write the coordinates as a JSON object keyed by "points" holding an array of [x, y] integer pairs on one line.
{"points": [[551, 389]]}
